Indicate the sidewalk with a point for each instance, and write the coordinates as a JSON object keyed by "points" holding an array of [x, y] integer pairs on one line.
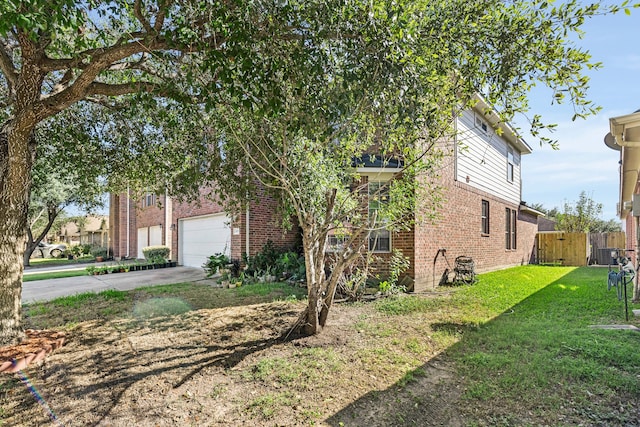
{"points": [[43, 290]]}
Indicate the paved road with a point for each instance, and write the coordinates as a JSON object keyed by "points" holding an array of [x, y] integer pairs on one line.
{"points": [[43, 290]]}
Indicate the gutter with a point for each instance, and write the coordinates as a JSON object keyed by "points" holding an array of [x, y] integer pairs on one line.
{"points": [[624, 136]]}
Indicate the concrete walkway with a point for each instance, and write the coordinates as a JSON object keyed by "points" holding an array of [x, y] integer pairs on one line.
{"points": [[44, 290]]}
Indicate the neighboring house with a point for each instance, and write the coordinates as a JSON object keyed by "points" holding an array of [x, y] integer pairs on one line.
{"points": [[193, 231], [546, 224], [482, 217], [92, 230], [624, 136]]}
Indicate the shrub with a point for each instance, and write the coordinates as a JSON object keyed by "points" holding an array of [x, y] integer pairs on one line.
{"points": [[85, 249], [99, 251], [215, 263], [156, 254], [274, 261], [75, 250], [399, 263]]}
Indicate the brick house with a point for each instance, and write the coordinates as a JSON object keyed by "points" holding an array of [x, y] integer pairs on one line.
{"points": [[193, 231], [482, 217]]}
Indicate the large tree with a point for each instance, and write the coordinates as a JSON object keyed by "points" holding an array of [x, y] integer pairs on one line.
{"points": [[58, 53], [388, 91]]}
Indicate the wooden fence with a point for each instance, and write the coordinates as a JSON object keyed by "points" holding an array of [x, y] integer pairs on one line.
{"points": [[603, 243], [577, 249]]}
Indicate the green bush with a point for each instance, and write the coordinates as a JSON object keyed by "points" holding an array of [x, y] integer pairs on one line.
{"points": [[275, 261], [99, 251], [156, 254], [215, 263]]}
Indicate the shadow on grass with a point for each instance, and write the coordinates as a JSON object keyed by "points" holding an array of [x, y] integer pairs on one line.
{"points": [[136, 360], [537, 363]]}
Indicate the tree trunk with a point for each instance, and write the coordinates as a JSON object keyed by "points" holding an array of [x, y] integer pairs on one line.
{"points": [[17, 152], [310, 327], [26, 257]]}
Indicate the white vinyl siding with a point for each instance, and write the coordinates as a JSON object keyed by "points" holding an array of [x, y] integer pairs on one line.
{"points": [[482, 159]]}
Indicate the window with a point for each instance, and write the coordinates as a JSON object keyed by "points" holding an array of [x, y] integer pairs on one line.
{"points": [[485, 217], [510, 164], [511, 219], [336, 243], [481, 124], [148, 200], [379, 240]]}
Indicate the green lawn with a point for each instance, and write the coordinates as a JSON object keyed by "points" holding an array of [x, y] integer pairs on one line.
{"points": [[53, 275], [39, 262], [527, 342], [516, 348]]}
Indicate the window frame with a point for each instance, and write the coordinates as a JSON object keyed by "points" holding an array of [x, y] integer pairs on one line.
{"points": [[148, 200], [511, 164], [379, 236], [511, 229], [485, 218]]}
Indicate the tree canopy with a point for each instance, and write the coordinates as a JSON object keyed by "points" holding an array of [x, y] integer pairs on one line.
{"points": [[343, 67], [582, 215]]}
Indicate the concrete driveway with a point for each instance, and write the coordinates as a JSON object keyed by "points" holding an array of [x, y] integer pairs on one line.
{"points": [[43, 290]]}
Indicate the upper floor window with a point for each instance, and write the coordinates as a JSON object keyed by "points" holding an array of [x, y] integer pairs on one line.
{"points": [[510, 164], [481, 124], [380, 238], [485, 217], [148, 200]]}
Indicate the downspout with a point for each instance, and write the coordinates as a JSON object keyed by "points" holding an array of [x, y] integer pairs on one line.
{"points": [[168, 208], [635, 296], [455, 147], [128, 221], [247, 233]]}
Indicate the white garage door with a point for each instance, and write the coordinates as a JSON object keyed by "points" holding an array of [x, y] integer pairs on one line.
{"points": [[201, 237], [143, 240]]}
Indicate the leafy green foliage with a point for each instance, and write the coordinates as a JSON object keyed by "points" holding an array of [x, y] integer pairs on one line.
{"points": [[584, 216], [275, 261], [215, 263], [185, 94], [156, 254], [398, 265]]}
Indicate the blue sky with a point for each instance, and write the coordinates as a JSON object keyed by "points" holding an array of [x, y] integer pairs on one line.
{"points": [[583, 162]]}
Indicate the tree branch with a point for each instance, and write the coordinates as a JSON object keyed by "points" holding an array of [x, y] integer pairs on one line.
{"points": [[8, 68], [137, 12]]}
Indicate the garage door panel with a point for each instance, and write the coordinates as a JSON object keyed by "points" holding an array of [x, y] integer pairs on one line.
{"points": [[202, 237], [143, 238]]}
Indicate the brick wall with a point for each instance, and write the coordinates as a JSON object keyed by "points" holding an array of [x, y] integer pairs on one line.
{"points": [[264, 223], [121, 244], [457, 230]]}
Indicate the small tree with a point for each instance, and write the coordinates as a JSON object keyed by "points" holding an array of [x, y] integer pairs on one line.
{"points": [[580, 216], [58, 183]]}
